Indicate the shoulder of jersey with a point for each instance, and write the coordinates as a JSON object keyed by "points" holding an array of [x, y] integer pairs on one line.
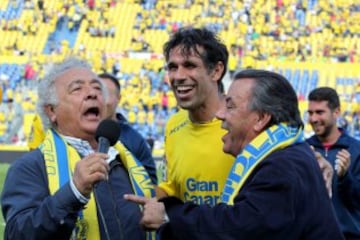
{"points": [[178, 116]]}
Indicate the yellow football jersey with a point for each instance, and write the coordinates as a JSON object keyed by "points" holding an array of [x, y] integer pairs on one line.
{"points": [[197, 167]]}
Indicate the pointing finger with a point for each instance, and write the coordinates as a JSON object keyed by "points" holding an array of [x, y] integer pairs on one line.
{"points": [[136, 199]]}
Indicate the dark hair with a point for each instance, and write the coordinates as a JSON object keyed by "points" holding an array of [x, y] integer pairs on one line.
{"points": [[112, 78], [325, 94], [192, 38], [273, 94]]}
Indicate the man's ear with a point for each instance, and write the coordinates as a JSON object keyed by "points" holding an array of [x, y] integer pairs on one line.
{"points": [[262, 121], [217, 71], [337, 112], [50, 112]]}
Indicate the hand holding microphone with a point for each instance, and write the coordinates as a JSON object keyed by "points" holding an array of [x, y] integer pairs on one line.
{"points": [[94, 167], [90, 170]]}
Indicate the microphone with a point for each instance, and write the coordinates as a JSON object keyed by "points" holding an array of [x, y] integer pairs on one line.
{"points": [[107, 134]]}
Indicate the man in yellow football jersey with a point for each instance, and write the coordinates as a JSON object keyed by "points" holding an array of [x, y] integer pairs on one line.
{"points": [[197, 167]]}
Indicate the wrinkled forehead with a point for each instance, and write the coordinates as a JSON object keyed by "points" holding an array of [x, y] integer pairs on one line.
{"points": [[188, 51], [318, 104], [76, 75]]}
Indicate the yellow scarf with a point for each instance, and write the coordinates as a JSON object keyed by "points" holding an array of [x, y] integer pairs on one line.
{"points": [[55, 150], [272, 139]]}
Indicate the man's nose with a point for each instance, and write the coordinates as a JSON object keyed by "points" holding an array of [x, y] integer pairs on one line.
{"points": [[220, 113], [313, 118], [179, 74], [91, 93]]}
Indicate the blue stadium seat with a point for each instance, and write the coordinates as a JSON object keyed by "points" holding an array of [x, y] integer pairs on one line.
{"points": [[287, 74], [296, 79], [303, 83], [314, 79]]}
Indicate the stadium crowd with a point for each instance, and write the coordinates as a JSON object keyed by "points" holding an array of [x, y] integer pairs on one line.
{"points": [[257, 33]]}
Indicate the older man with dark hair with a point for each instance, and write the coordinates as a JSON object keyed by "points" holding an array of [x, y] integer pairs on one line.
{"points": [[274, 190]]}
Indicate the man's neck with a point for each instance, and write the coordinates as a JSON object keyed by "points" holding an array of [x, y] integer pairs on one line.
{"points": [[92, 142], [201, 117], [206, 113], [331, 138]]}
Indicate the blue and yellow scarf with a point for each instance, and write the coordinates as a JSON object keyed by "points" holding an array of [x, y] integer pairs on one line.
{"points": [[60, 159], [272, 139]]}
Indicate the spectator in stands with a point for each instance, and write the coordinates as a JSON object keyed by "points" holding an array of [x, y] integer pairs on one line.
{"points": [[58, 190], [29, 73], [343, 153], [116, 68], [40, 4], [37, 133], [91, 4], [274, 189], [196, 61], [15, 118], [131, 138]]}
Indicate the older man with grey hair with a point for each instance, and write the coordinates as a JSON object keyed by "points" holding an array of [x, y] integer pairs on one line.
{"points": [[66, 189]]}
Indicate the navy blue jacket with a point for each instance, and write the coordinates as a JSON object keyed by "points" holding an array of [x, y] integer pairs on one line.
{"points": [[346, 191], [31, 213], [283, 198]]}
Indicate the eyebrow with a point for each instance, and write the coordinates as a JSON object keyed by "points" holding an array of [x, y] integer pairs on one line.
{"points": [[171, 64], [317, 110], [81, 81], [187, 61], [96, 80]]}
